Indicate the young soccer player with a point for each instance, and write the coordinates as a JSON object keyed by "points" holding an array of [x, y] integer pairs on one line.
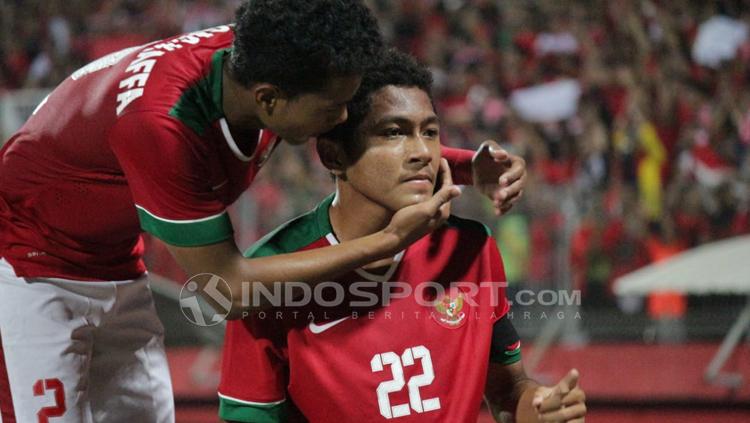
{"points": [[424, 348], [162, 138]]}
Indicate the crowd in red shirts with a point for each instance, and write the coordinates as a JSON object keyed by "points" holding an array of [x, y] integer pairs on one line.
{"points": [[634, 116]]}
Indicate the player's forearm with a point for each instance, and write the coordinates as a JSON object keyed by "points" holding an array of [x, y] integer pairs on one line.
{"points": [[315, 265], [311, 266], [517, 401], [509, 389]]}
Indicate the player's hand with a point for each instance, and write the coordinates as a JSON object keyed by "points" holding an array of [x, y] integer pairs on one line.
{"points": [[499, 175], [564, 402], [413, 222]]}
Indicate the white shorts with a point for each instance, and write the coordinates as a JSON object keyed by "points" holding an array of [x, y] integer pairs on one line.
{"points": [[74, 351]]}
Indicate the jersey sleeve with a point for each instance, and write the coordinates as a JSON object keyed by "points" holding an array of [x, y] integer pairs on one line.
{"points": [[506, 345], [460, 164], [253, 373], [166, 166]]}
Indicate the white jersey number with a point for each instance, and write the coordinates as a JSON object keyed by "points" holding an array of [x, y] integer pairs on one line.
{"points": [[377, 364]]}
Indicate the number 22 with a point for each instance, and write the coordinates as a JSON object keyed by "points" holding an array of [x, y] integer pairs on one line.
{"points": [[377, 364]]}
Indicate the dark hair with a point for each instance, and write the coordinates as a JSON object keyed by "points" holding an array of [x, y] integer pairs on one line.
{"points": [[393, 68], [299, 45]]}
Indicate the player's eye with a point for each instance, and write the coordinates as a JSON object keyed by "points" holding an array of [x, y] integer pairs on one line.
{"points": [[392, 132], [431, 133]]}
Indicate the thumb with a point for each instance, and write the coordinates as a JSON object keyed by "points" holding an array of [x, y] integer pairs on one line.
{"points": [[569, 382]]}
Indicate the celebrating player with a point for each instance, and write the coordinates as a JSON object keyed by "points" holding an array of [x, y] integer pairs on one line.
{"points": [[418, 357], [162, 138]]}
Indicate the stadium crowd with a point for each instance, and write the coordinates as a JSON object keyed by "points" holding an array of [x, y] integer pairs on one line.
{"points": [[634, 121]]}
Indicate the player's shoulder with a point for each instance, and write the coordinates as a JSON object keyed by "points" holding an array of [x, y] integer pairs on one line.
{"points": [[468, 226], [289, 237], [178, 76]]}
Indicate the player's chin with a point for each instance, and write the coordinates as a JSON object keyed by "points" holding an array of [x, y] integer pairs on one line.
{"points": [[412, 198]]}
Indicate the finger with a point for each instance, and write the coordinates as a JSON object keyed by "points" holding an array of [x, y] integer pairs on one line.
{"points": [[508, 203], [447, 191], [550, 403], [565, 414], [446, 178], [439, 204], [504, 207], [504, 194], [515, 173], [569, 382], [574, 396]]}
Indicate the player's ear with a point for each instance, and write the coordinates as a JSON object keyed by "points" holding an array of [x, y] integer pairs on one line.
{"points": [[266, 97], [333, 156]]}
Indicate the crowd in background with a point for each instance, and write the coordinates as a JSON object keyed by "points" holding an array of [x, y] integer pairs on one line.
{"points": [[638, 150]]}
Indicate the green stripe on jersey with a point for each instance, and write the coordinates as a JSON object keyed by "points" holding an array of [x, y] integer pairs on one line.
{"points": [[236, 411], [295, 234], [192, 233], [200, 105], [506, 357]]}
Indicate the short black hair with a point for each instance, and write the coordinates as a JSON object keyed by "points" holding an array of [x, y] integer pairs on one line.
{"points": [[299, 45], [392, 68]]}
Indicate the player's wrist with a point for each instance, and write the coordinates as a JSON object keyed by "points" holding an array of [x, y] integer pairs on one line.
{"points": [[387, 242]]}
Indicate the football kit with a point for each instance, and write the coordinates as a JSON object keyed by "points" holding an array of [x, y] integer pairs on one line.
{"points": [[134, 141], [421, 355]]}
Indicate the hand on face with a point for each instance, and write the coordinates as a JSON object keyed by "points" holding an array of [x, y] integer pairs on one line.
{"points": [[415, 221]]}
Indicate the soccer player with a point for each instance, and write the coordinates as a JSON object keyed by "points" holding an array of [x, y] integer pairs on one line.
{"points": [[162, 138], [418, 357]]}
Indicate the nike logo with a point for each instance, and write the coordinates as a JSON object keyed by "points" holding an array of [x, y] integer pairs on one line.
{"points": [[316, 329]]}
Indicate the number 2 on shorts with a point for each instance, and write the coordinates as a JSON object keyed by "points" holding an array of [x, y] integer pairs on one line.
{"points": [[57, 410]]}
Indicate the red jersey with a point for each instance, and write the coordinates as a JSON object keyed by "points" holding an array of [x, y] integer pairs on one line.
{"points": [[405, 359], [136, 140]]}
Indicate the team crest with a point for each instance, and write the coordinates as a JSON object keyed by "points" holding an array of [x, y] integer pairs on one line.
{"points": [[449, 310]]}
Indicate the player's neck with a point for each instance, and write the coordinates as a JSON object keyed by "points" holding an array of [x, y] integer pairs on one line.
{"points": [[354, 216], [239, 109]]}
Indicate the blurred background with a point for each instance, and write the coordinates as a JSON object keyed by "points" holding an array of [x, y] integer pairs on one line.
{"points": [[634, 119]]}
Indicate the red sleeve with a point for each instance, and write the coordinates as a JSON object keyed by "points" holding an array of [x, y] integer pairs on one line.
{"points": [[168, 169], [460, 163], [253, 364]]}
